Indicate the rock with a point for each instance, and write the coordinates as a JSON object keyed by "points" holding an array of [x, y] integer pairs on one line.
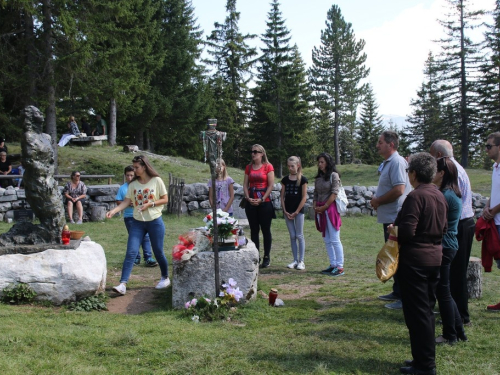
{"points": [[5, 206], [103, 190], [195, 277], [105, 198], [130, 148], [354, 211], [10, 191], [8, 198], [193, 206], [205, 204], [361, 202], [359, 189], [200, 189], [98, 214], [58, 276]]}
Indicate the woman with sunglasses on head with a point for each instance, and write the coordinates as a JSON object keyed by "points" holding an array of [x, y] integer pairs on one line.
{"points": [[75, 192], [257, 187], [148, 194], [446, 180]]}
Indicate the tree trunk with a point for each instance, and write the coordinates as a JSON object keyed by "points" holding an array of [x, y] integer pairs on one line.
{"points": [[474, 282], [464, 112], [50, 114], [112, 122]]}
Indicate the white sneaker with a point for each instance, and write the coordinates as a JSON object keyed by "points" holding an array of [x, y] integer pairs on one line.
{"points": [[120, 289], [164, 283], [301, 266], [293, 265]]}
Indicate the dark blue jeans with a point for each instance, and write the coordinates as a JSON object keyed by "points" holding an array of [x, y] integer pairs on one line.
{"points": [[452, 322], [146, 243], [137, 231]]}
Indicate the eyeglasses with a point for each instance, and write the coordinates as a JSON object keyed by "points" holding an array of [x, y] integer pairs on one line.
{"points": [[256, 152], [77, 175], [488, 146], [137, 158]]}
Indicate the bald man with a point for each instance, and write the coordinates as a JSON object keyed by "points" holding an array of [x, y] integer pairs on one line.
{"points": [[465, 235]]}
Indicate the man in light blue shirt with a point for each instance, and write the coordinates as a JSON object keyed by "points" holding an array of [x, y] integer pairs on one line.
{"points": [[128, 215], [393, 187]]}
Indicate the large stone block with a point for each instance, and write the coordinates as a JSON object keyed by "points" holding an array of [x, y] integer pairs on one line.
{"points": [[99, 190], [8, 198], [195, 277], [105, 198], [6, 206], [58, 276], [200, 189]]}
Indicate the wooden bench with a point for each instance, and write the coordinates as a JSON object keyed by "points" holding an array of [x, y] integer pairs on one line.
{"points": [[87, 176], [90, 140]]}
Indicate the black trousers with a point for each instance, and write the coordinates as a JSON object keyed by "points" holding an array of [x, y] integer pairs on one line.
{"points": [[418, 293], [459, 265], [260, 218], [395, 287]]}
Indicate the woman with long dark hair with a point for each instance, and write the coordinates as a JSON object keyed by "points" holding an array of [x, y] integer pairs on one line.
{"points": [[446, 180], [148, 194], [75, 192], [328, 221], [257, 186]]}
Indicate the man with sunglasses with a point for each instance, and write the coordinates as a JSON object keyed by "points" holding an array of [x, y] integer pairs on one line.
{"points": [[492, 209], [393, 187], [465, 234]]}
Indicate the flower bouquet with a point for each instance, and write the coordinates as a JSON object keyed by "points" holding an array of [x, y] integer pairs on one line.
{"points": [[205, 309], [227, 225]]}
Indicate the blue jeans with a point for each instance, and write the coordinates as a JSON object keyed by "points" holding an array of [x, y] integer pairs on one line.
{"points": [[137, 231], [296, 230], [146, 244], [334, 247]]}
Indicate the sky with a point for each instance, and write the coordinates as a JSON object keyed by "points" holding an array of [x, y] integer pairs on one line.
{"points": [[398, 33]]}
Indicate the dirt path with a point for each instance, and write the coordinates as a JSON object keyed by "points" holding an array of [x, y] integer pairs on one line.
{"points": [[135, 302]]}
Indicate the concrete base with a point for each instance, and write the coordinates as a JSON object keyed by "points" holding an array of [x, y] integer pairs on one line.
{"points": [[58, 276], [195, 277]]}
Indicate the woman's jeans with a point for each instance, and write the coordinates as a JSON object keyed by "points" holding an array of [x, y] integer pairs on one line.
{"points": [[334, 247], [452, 321], [296, 230], [260, 217], [146, 244], [137, 231]]}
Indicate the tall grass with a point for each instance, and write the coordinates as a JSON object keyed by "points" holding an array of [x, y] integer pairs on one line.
{"points": [[327, 326]]}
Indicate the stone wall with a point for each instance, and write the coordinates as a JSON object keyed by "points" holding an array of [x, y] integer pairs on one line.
{"points": [[195, 200], [100, 198]]}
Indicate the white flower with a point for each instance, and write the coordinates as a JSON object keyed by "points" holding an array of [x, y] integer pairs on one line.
{"points": [[195, 318], [232, 282]]}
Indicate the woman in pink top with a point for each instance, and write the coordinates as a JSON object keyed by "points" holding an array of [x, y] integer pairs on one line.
{"points": [[257, 186]]}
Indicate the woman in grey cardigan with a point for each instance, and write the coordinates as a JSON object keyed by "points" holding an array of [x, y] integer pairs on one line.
{"points": [[328, 221]]}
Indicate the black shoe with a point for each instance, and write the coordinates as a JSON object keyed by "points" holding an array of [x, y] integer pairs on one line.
{"points": [[441, 340], [414, 371], [409, 362], [461, 336], [389, 297], [327, 271], [266, 262]]}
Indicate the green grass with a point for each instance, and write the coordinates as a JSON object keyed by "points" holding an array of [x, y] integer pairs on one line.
{"points": [[327, 326]]}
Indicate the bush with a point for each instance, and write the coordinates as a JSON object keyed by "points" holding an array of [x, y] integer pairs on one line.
{"points": [[18, 294], [97, 302]]}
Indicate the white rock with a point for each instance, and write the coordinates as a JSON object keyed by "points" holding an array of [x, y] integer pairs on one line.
{"points": [[58, 276]]}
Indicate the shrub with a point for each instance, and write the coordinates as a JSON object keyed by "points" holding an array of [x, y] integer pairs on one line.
{"points": [[97, 302], [18, 294]]}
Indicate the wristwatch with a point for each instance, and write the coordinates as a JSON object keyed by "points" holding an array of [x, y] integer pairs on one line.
{"points": [[262, 200], [153, 204]]}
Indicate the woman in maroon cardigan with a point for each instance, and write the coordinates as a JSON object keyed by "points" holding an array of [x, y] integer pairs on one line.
{"points": [[421, 224]]}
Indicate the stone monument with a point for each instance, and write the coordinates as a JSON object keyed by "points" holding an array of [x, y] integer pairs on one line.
{"points": [[33, 254], [41, 189]]}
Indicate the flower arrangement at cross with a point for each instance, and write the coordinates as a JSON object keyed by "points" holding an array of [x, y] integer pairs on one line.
{"points": [[227, 225], [205, 309]]}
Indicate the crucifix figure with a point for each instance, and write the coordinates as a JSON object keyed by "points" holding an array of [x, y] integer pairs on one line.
{"points": [[212, 146]]}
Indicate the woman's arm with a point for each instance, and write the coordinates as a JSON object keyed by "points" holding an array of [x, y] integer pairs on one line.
{"points": [[210, 196], [245, 187], [125, 203], [270, 185], [163, 200], [282, 199]]}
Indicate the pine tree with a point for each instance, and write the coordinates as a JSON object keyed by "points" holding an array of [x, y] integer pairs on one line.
{"points": [[489, 85], [460, 63], [427, 118], [178, 99], [337, 71], [370, 128], [281, 121], [232, 60]]}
